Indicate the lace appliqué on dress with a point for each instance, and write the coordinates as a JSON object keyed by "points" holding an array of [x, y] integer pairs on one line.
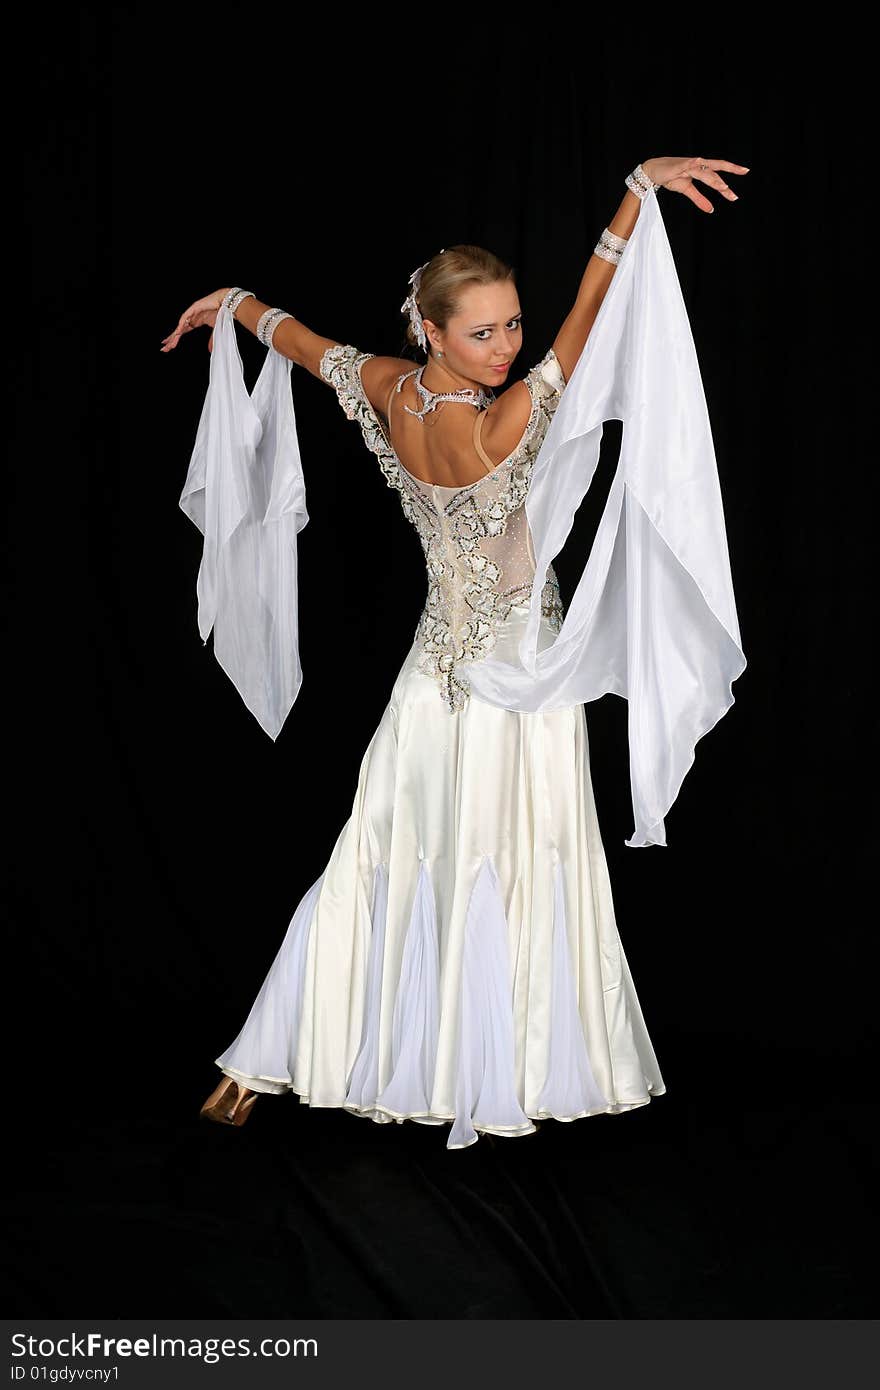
{"points": [[476, 545]]}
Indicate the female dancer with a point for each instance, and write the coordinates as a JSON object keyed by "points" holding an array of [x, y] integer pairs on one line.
{"points": [[458, 960]]}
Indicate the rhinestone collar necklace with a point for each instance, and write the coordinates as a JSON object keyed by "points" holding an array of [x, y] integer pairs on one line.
{"points": [[481, 399]]}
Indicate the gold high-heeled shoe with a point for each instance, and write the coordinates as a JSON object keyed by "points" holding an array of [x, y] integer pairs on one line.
{"points": [[230, 1103]]}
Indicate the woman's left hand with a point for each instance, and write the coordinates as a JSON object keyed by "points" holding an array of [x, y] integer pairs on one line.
{"points": [[679, 174], [201, 314]]}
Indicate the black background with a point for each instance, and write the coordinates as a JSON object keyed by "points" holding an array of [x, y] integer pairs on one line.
{"points": [[160, 841]]}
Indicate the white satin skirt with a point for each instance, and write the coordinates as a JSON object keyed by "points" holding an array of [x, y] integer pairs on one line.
{"points": [[458, 961]]}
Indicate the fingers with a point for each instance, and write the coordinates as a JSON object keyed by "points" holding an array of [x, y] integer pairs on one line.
{"points": [[184, 325], [720, 164], [724, 164], [715, 181], [707, 171], [711, 176]]}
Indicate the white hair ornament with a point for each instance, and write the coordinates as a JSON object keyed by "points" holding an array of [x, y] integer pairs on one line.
{"points": [[410, 306]]}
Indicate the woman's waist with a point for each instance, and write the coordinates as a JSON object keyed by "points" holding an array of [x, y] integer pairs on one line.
{"points": [[465, 628], [510, 631]]}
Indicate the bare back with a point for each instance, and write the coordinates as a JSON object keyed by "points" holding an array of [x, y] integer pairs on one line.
{"points": [[456, 444]]}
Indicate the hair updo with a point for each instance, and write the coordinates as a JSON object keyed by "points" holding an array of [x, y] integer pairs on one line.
{"points": [[449, 273]]}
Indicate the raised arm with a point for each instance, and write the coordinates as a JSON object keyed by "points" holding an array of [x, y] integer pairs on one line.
{"points": [[680, 175], [291, 338], [570, 340]]}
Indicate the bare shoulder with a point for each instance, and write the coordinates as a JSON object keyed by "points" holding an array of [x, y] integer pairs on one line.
{"points": [[505, 421], [379, 374]]}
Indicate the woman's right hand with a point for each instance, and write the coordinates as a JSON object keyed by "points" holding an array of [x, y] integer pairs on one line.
{"points": [[679, 173], [201, 314]]}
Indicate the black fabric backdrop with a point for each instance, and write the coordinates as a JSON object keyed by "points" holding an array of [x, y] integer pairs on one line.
{"points": [[159, 840]]}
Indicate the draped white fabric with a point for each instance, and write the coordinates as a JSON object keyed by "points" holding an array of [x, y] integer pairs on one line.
{"points": [[245, 492], [653, 617]]}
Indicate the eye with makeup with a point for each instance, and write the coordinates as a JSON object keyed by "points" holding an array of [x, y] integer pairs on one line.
{"points": [[511, 323]]}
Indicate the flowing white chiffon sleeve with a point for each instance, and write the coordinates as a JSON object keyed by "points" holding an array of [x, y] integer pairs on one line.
{"points": [[653, 617], [245, 492]]}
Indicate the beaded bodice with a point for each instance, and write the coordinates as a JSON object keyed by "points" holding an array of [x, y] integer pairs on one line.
{"points": [[476, 539]]}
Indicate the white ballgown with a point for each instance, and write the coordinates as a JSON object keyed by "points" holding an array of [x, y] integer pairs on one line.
{"points": [[458, 960]]}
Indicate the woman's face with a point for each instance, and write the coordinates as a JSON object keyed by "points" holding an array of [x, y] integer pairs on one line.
{"points": [[486, 333]]}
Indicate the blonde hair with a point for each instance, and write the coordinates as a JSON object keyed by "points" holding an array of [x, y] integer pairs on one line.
{"points": [[447, 274]]}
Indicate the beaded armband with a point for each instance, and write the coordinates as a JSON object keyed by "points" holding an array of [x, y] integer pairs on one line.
{"points": [[232, 298], [268, 322], [639, 183], [610, 247]]}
